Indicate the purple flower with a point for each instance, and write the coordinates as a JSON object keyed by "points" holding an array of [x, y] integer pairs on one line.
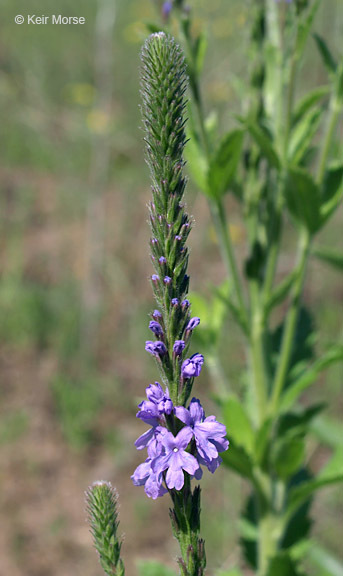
{"points": [[175, 302], [193, 323], [154, 241], [156, 328], [155, 348], [185, 304], [208, 433], [145, 476], [162, 260], [178, 237], [158, 403], [192, 366], [166, 9], [178, 347], [155, 278], [167, 280], [176, 459], [156, 315]]}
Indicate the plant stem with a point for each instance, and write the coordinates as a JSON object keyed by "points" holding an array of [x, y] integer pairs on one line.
{"points": [[291, 322], [332, 123], [219, 218], [257, 352]]}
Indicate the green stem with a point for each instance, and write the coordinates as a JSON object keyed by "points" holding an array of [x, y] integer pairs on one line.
{"points": [[257, 352], [219, 218], [291, 321], [332, 123]]}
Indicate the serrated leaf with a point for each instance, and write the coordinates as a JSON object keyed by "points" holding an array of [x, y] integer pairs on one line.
{"points": [[153, 568], [309, 376], [303, 198], [302, 135], [238, 424], [224, 163], [308, 101], [264, 142], [328, 59], [329, 256]]}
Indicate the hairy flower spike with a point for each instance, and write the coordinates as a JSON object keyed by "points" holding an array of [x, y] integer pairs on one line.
{"points": [[102, 503], [163, 87]]}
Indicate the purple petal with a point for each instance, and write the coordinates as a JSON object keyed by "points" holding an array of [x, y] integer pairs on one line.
{"points": [[196, 411], [184, 415], [144, 439], [175, 479]]}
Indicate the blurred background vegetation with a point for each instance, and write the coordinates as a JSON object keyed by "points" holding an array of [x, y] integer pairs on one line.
{"points": [[74, 295]]}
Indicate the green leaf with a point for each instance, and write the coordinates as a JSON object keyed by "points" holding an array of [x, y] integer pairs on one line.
{"points": [[328, 431], [332, 192], [196, 161], [309, 101], [331, 474], [302, 135], [264, 141], [282, 565], [303, 199], [238, 460], [328, 564], [282, 290], [305, 28], [298, 420], [238, 424], [224, 163], [287, 456], [262, 443], [200, 49], [311, 374], [153, 568], [328, 59], [329, 256]]}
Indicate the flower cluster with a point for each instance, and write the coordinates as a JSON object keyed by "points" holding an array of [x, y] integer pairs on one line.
{"points": [[195, 441]]}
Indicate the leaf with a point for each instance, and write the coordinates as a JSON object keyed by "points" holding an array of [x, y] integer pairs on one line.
{"points": [[238, 424], [328, 431], [283, 565], [329, 256], [328, 59], [332, 192], [309, 101], [153, 568], [200, 49], [224, 163], [196, 161], [324, 560], [238, 460], [302, 135], [311, 374], [282, 290], [263, 140], [331, 474], [303, 199], [287, 456], [262, 443], [305, 28], [298, 421]]}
